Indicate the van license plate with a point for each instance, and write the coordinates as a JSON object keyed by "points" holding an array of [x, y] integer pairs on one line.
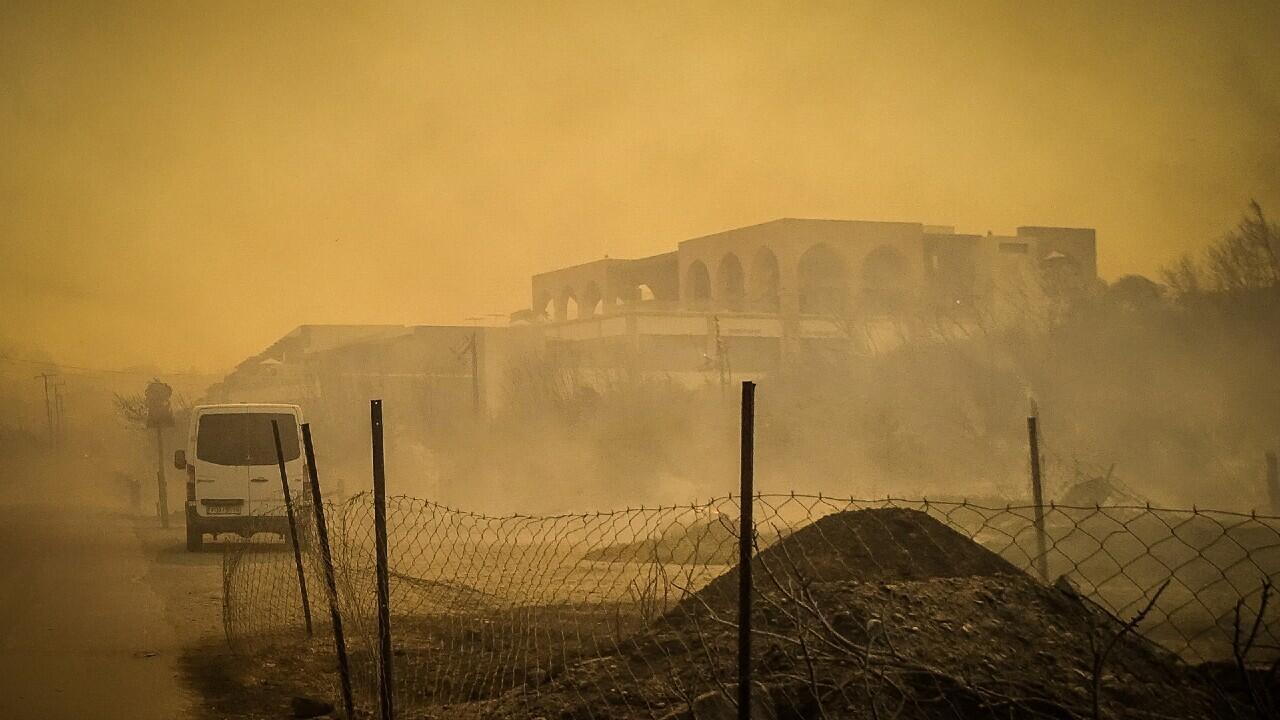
{"points": [[223, 509]]}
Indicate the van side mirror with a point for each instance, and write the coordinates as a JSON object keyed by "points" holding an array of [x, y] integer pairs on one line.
{"points": [[180, 459]]}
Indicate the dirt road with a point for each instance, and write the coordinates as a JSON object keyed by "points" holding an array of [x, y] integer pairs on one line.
{"points": [[97, 607]]}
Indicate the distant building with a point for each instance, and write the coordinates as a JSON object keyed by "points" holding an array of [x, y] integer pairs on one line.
{"points": [[734, 304], [436, 373], [748, 298]]}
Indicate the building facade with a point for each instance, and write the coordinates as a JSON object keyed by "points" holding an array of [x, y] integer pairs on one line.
{"points": [[731, 305], [744, 301]]}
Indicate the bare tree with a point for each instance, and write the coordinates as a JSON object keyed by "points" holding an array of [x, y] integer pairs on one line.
{"points": [[1243, 260], [1183, 276], [1101, 647], [1259, 689], [131, 408]]}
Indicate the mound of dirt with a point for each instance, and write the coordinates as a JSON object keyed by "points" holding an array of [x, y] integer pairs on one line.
{"points": [[874, 613], [891, 544], [863, 614]]}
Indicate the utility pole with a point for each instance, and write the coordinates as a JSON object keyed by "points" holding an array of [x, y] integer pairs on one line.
{"points": [[722, 357], [471, 348], [48, 406], [60, 433], [475, 375]]}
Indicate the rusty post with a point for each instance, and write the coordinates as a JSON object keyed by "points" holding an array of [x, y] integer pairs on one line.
{"points": [[1037, 497], [293, 525], [331, 583]]}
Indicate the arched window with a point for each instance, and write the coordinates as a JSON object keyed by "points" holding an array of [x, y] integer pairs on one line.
{"points": [[698, 284], [762, 288], [824, 285], [544, 307], [592, 300], [730, 283], [569, 304], [885, 280]]}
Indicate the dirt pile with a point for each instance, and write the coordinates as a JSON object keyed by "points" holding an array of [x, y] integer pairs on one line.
{"points": [[856, 545], [876, 613], [864, 614], [890, 544]]}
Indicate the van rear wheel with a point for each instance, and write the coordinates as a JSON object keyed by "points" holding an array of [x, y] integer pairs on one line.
{"points": [[195, 539]]}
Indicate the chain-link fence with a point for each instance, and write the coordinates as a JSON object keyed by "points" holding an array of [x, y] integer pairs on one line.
{"points": [[862, 608]]}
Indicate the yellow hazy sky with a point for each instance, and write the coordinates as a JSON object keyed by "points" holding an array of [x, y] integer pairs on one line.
{"points": [[183, 182]]}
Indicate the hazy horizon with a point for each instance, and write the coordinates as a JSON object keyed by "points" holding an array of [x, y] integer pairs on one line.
{"points": [[245, 168]]}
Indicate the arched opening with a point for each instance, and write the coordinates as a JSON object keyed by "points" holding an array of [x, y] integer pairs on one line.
{"points": [[885, 281], [592, 300], [544, 307], [568, 305], [763, 286], [697, 284], [824, 285], [730, 283]]}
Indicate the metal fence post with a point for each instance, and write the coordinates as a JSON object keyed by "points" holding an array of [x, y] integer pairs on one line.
{"points": [[746, 533], [331, 584], [386, 683], [293, 525], [1037, 497]]}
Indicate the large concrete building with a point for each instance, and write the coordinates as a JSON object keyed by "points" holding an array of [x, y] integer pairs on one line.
{"points": [[458, 368], [735, 304], [744, 301]]}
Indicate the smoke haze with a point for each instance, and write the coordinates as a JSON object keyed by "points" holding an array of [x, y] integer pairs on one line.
{"points": [[182, 183]]}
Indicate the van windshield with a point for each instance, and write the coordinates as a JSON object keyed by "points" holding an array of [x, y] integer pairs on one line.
{"points": [[245, 438]]}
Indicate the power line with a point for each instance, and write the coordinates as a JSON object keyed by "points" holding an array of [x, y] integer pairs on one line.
{"points": [[83, 370]]}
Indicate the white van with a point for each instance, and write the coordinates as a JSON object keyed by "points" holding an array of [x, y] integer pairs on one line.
{"points": [[233, 479]]}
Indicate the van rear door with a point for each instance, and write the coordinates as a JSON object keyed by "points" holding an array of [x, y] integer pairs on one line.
{"points": [[222, 485], [266, 497]]}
